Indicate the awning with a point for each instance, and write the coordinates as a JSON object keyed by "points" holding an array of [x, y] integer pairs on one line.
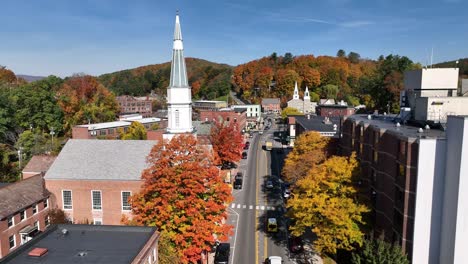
{"points": [[28, 230]]}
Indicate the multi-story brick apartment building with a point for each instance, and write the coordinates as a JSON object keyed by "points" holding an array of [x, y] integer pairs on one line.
{"points": [[414, 179], [24, 206], [91, 180], [133, 105], [110, 130], [66, 243]]}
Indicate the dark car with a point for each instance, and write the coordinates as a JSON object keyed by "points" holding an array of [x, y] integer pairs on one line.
{"points": [[238, 175], [222, 253], [247, 143], [246, 146], [244, 155], [295, 244], [238, 184]]}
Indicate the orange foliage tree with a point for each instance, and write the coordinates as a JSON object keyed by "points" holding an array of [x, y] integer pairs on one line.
{"points": [[83, 99], [227, 142], [184, 196]]}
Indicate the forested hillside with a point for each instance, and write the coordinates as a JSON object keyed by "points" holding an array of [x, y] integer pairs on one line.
{"points": [[208, 80], [462, 64], [377, 84]]}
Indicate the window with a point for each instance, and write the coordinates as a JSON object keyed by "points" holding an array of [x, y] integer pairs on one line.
{"points": [[376, 156], [22, 215], [125, 203], [96, 197], [67, 199], [103, 132], [36, 224], [12, 240], [11, 221], [46, 203], [97, 221], [47, 221], [177, 121], [34, 207]]}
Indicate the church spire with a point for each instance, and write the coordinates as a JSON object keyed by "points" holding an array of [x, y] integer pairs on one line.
{"points": [[178, 69], [306, 94], [296, 92]]}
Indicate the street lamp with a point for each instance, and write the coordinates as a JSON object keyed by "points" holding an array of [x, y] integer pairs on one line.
{"points": [[20, 149], [52, 133]]}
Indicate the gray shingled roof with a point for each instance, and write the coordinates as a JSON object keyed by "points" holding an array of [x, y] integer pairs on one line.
{"points": [[39, 163], [19, 195], [88, 159]]}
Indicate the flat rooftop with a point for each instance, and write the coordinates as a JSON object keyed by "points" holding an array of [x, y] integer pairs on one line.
{"points": [[387, 123], [121, 123], [85, 244]]}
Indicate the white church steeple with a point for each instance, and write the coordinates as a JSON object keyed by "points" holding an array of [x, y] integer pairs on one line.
{"points": [[179, 94], [307, 95], [296, 92]]}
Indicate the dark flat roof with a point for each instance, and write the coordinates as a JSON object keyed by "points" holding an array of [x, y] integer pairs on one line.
{"points": [[100, 244], [316, 123]]}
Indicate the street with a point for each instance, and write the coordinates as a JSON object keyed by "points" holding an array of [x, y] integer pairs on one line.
{"points": [[255, 203]]}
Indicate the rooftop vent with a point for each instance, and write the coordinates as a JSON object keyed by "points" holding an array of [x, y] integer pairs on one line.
{"points": [[369, 117], [420, 130], [82, 254], [398, 124], [64, 232], [37, 252], [427, 127]]}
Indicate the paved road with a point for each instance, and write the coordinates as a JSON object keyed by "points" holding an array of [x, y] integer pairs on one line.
{"points": [[236, 99], [254, 203]]}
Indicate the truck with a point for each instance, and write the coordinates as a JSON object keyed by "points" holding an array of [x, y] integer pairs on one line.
{"points": [[268, 145]]}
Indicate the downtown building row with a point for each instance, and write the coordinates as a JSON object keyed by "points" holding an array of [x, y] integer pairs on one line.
{"points": [[414, 168]]}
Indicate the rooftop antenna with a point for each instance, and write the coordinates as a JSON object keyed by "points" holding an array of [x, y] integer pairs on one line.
{"points": [[432, 54]]}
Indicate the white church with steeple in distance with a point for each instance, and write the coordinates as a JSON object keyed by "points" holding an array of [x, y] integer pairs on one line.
{"points": [[179, 93], [304, 106]]}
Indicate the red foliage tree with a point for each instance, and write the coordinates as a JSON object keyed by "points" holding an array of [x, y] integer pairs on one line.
{"points": [[183, 195], [227, 142]]}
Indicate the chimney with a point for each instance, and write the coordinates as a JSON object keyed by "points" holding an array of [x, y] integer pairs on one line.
{"points": [[37, 252]]}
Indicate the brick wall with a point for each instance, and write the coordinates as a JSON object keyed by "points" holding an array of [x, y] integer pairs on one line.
{"points": [[82, 211]]}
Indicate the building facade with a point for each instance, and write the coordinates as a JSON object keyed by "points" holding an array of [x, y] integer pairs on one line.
{"points": [[304, 106], [135, 105], [209, 105], [413, 179], [237, 116], [271, 105], [335, 110], [91, 180], [24, 207], [110, 130]]}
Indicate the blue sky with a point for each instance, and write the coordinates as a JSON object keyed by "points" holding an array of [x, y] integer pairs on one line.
{"points": [[100, 36]]}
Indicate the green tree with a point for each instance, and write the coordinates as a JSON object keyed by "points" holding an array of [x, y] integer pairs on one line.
{"points": [[166, 250], [329, 91], [136, 131], [33, 143], [341, 54], [290, 111], [377, 251], [325, 201], [352, 100], [288, 58], [354, 57], [314, 97]]}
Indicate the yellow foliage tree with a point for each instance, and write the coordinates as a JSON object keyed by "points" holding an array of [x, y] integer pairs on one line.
{"points": [[310, 149], [136, 131], [290, 111], [325, 201]]}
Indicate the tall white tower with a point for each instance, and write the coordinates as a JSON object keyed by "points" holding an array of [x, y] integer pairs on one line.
{"points": [[307, 95], [179, 94], [296, 92]]}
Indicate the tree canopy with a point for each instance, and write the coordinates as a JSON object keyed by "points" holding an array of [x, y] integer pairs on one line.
{"points": [[184, 195], [227, 142], [310, 149], [377, 251], [325, 202], [136, 131], [290, 111]]}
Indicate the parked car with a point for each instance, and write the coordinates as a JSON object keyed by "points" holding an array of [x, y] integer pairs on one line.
{"points": [[295, 244], [238, 175], [247, 143], [246, 147], [269, 184], [222, 253], [244, 155], [238, 184]]}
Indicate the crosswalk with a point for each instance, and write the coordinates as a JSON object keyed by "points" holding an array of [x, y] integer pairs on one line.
{"points": [[256, 207]]}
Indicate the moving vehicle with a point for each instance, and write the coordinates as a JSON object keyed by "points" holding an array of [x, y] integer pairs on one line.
{"points": [[244, 155], [222, 253], [268, 145], [238, 184], [274, 260], [272, 225]]}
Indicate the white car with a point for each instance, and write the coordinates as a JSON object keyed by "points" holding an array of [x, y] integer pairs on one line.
{"points": [[274, 260]]}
